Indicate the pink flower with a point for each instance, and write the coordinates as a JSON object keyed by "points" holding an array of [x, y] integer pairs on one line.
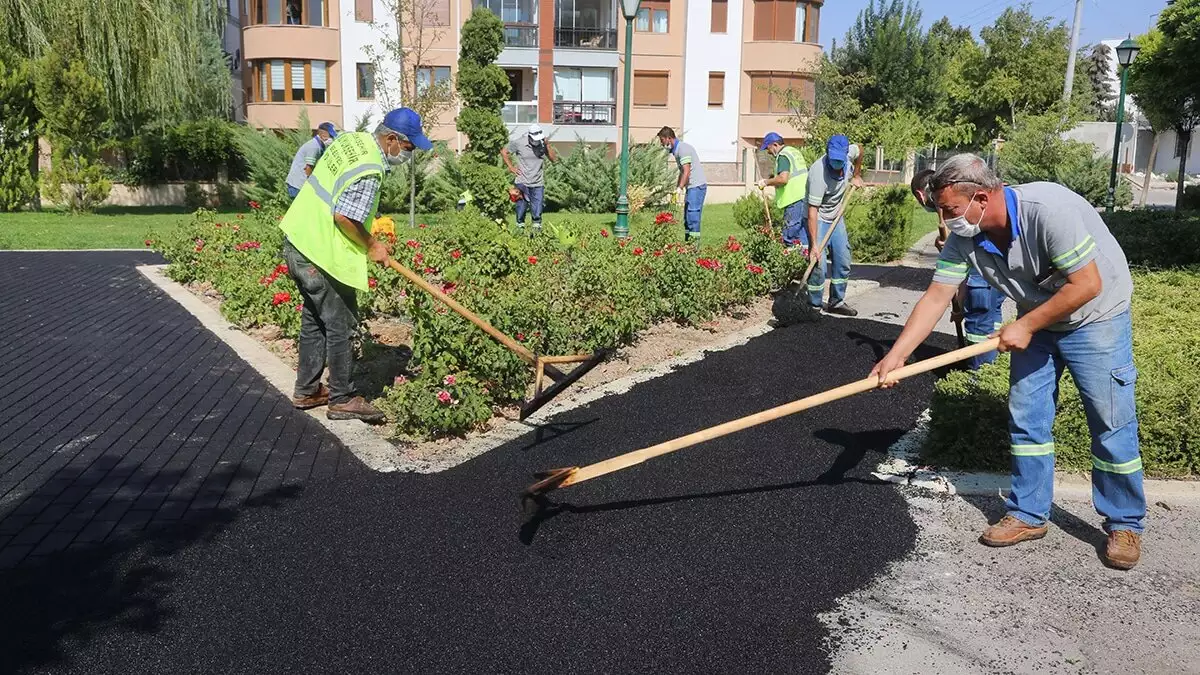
{"points": [[418, 260], [281, 268], [456, 254], [603, 233], [443, 397], [281, 298], [658, 254], [400, 379], [754, 269], [449, 381], [533, 260], [733, 245], [371, 283], [520, 337], [300, 307], [253, 204], [412, 243], [638, 250], [449, 287], [421, 226]]}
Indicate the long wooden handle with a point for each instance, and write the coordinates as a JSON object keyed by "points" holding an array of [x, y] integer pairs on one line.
{"points": [[812, 264], [466, 313], [638, 456], [766, 207]]}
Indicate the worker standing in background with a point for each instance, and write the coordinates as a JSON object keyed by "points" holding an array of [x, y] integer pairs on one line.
{"points": [[790, 181], [327, 246], [691, 188], [531, 153], [306, 157], [829, 179], [982, 304]]}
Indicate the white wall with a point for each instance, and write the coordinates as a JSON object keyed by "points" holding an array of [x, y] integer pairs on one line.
{"points": [[712, 131], [355, 35], [1168, 161]]}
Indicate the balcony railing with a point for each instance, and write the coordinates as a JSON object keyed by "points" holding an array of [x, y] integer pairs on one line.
{"points": [[585, 113], [520, 35], [586, 38], [520, 112]]}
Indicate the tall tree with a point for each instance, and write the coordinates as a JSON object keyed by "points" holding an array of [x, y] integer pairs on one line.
{"points": [[143, 51], [18, 116], [887, 42], [1097, 66], [483, 88], [1163, 81]]}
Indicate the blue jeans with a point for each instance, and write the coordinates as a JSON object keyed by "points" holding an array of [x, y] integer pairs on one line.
{"points": [[693, 204], [532, 199], [795, 221], [292, 192], [839, 248], [1100, 358], [982, 315]]}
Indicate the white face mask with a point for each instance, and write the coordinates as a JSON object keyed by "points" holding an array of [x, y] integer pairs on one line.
{"points": [[962, 227], [398, 159]]}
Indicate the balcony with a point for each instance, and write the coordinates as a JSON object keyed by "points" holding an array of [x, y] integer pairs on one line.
{"points": [[587, 114], [520, 112], [586, 38], [521, 35]]}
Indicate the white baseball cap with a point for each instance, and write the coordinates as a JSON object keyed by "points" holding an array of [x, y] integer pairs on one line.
{"points": [[535, 132]]}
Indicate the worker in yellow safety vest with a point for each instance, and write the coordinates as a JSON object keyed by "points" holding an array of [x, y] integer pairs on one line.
{"points": [[326, 248], [790, 180]]}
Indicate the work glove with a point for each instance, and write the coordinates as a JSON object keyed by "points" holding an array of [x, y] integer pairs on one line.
{"points": [[762, 184], [678, 196]]}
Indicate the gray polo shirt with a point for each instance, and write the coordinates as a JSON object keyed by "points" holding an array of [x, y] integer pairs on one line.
{"points": [[529, 165], [684, 153], [307, 155], [1054, 233], [826, 190]]}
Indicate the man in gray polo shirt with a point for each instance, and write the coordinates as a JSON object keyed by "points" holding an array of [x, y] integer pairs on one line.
{"points": [[829, 179], [1046, 248], [531, 152], [307, 156], [692, 187]]}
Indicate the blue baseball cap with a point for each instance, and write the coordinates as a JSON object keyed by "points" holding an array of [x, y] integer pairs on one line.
{"points": [[838, 148], [408, 122], [769, 139], [330, 128]]}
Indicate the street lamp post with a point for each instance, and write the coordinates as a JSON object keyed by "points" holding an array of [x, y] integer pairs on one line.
{"points": [[1126, 52], [629, 9]]}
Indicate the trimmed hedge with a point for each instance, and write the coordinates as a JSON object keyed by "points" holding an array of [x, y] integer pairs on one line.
{"points": [[1166, 345], [1157, 239]]}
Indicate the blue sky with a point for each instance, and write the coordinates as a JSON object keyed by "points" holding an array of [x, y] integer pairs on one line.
{"points": [[1102, 19]]}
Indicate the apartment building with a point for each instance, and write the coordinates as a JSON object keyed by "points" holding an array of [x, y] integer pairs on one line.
{"points": [[704, 67]]}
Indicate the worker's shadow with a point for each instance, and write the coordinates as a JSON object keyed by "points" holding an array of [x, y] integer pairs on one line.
{"points": [[548, 431], [881, 347], [855, 447]]}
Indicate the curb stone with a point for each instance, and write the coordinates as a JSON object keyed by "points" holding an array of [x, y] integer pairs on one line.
{"points": [[902, 467]]}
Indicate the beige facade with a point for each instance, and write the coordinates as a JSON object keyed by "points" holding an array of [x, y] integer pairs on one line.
{"points": [[710, 69]]}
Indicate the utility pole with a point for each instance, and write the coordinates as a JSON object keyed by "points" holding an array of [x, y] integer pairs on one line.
{"points": [[1070, 81]]}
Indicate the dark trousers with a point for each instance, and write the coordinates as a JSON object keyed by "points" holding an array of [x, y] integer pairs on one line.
{"points": [[327, 328]]}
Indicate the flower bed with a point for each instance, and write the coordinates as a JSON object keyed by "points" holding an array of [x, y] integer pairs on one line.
{"points": [[570, 290]]}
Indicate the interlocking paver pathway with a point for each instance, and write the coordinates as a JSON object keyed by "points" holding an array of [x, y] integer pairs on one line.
{"points": [[119, 411]]}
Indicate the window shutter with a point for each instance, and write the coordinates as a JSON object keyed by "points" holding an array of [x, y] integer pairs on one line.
{"points": [[277, 74], [764, 19], [716, 89], [318, 74], [760, 93], [720, 16], [650, 88]]}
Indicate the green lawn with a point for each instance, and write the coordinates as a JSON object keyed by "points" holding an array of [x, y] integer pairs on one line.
{"points": [[130, 227]]}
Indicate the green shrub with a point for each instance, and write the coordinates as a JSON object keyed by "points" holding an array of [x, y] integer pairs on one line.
{"points": [[75, 118], [1157, 239], [587, 178], [749, 214], [878, 221], [437, 404], [970, 411], [1191, 198], [17, 119]]}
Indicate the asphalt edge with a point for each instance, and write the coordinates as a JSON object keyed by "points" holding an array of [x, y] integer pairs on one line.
{"points": [[902, 467], [368, 447]]}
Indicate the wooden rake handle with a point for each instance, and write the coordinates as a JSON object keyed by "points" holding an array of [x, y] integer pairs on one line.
{"points": [[627, 460], [467, 314], [812, 264]]}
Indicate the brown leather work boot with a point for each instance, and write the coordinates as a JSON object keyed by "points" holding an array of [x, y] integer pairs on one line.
{"points": [[1124, 549], [356, 408], [312, 400], [1011, 531]]}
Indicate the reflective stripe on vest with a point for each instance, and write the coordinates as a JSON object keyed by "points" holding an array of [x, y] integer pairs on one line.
{"points": [[796, 187], [309, 224]]}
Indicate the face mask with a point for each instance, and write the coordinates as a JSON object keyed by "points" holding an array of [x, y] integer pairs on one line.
{"points": [[836, 164], [964, 228], [400, 158]]}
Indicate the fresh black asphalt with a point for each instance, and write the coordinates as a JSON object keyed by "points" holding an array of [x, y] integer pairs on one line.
{"points": [[717, 558]]}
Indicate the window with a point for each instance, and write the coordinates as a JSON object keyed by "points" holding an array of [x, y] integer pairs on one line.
{"points": [[364, 10], [716, 90], [720, 16], [584, 84], [366, 80], [434, 12], [652, 16], [775, 20], [288, 81], [292, 12], [432, 75], [650, 88], [807, 20], [765, 94]]}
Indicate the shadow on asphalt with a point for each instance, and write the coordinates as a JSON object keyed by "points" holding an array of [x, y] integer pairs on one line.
{"points": [[894, 276], [993, 510], [55, 602]]}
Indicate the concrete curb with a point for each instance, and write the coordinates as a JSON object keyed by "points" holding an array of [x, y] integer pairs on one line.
{"points": [[375, 452], [902, 468]]}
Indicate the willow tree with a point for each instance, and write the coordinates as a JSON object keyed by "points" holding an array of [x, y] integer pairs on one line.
{"points": [[157, 59]]}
